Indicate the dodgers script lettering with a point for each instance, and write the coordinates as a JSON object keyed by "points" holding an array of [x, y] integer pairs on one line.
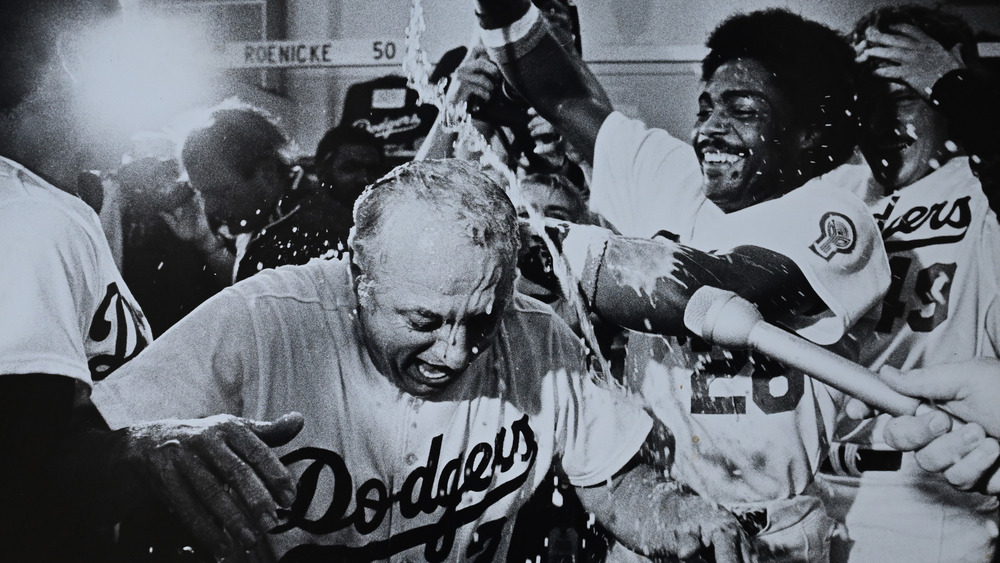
{"points": [[497, 469]]}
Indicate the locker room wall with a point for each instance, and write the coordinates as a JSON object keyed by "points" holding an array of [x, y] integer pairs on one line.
{"points": [[644, 51]]}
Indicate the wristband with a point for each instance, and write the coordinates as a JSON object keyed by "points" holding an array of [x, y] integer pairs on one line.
{"points": [[951, 89], [496, 14], [519, 38]]}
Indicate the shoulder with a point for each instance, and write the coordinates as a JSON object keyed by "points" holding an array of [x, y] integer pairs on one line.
{"points": [[320, 281], [620, 133], [529, 323], [37, 214]]}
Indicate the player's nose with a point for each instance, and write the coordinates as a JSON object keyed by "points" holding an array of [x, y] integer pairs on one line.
{"points": [[455, 348]]}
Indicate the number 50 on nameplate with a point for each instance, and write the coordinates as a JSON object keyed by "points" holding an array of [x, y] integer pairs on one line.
{"points": [[331, 53]]}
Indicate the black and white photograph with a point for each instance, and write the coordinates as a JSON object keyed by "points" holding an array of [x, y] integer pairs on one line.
{"points": [[511, 281]]}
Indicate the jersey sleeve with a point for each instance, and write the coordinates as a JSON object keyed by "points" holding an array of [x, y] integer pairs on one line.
{"points": [[644, 180], [599, 427], [47, 290], [833, 239], [196, 369]]}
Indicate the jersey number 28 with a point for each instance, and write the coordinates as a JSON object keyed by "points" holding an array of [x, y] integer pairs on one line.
{"points": [[765, 373]]}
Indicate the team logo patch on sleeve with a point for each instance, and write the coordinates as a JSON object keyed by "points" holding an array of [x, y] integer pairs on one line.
{"points": [[837, 234]]}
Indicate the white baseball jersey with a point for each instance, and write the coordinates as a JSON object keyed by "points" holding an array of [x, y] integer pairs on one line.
{"points": [[382, 474], [943, 243], [742, 428], [66, 309]]}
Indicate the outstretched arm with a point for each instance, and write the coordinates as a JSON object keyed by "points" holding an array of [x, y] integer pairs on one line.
{"points": [[543, 67], [645, 285]]}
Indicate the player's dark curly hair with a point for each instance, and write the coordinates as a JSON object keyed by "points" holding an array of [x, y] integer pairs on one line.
{"points": [[29, 34], [945, 28], [812, 65], [238, 134]]}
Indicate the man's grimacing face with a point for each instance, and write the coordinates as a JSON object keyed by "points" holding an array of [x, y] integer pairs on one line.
{"points": [[432, 302], [739, 134]]}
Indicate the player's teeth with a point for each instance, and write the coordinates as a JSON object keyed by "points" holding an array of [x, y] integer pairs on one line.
{"points": [[714, 157], [430, 372]]}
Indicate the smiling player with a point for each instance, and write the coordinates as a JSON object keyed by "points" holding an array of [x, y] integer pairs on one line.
{"points": [[435, 399], [775, 112]]}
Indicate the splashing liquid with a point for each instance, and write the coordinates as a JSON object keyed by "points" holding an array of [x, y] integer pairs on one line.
{"points": [[418, 68]]}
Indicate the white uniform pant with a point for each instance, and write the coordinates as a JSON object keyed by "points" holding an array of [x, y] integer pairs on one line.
{"points": [[909, 515]]}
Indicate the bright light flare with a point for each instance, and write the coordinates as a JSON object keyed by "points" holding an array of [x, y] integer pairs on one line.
{"points": [[138, 71]]}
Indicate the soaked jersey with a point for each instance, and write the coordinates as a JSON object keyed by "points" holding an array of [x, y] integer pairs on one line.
{"points": [[740, 427], [66, 309], [384, 475], [943, 241]]}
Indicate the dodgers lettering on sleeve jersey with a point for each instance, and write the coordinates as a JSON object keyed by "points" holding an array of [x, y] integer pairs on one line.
{"points": [[66, 309], [383, 475]]}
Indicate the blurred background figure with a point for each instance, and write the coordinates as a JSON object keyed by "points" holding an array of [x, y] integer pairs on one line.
{"points": [[171, 258], [242, 164], [347, 160]]}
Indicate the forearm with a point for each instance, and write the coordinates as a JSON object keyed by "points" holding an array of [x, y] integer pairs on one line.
{"points": [[62, 462], [674, 522], [218, 258], [545, 70], [615, 505], [645, 285], [439, 143]]}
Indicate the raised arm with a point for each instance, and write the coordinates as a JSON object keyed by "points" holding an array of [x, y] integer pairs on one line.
{"points": [[540, 64], [966, 94]]}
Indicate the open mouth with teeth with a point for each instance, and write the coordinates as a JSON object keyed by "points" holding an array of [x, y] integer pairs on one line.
{"points": [[430, 375], [717, 163], [721, 158]]}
